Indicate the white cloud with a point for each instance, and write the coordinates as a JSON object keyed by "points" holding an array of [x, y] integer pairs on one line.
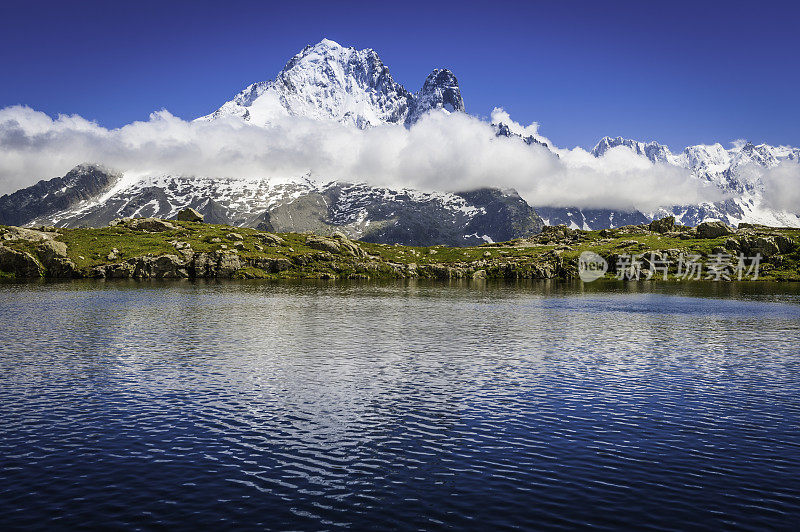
{"points": [[782, 186], [499, 116], [443, 152]]}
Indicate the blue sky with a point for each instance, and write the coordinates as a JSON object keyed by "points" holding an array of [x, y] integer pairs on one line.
{"points": [[679, 72]]}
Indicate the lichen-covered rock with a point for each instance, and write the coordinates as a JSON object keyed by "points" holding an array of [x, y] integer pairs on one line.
{"points": [[122, 270], [53, 256], [189, 215], [272, 240], [664, 225], [632, 230], [95, 272], [142, 267], [764, 246], [32, 235], [556, 231], [168, 267], [153, 225], [271, 265], [177, 244], [323, 244], [713, 230], [51, 249], [732, 245], [234, 236], [438, 271], [227, 264], [19, 263], [349, 247]]}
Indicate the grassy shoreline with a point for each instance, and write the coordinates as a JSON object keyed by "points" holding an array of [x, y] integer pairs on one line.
{"points": [[168, 249]]}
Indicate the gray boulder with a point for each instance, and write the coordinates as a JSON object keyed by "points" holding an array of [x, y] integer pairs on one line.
{"points": [[765, 246], [228, 263], [32, 235], [664, 225], [713, 230], [153, 225], [53, 255], [20, 263], [348, 246], [323, 244], [270, 239], [189, 215], [123, 270], [168, 267], [52, 249]]}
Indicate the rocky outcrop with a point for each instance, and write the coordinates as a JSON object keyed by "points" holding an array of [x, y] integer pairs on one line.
{"points": [[214, 265], [664, 225], [153, 225], [270, 239], [189, 215], [219, 264], [21, 264], [764, 246], [713, 230], [53, 256], [32, 235], [339, 244]]}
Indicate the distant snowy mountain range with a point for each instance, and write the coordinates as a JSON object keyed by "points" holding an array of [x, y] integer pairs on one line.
{"points": [[730, 170], [353, 87]]}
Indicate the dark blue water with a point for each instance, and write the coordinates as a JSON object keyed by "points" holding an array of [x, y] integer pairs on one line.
{"points": [[399, 406]]}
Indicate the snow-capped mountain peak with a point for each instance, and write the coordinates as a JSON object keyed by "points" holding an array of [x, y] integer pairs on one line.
{"points": [[738, 172], [328, 81], [440, 91], [652, 150]]}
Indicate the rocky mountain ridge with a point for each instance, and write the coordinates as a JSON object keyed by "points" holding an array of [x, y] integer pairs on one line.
{"points": [[360, 211]]}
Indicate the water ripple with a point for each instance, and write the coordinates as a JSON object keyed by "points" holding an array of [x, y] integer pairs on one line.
{"points": [[402, 406]]}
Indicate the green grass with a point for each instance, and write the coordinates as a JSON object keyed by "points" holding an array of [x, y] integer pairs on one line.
{"points": [[91, 247]]}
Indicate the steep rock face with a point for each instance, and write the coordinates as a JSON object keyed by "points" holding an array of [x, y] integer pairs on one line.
{"points": [[440, 91], [505, 215], [330, 82], [59, 194]]}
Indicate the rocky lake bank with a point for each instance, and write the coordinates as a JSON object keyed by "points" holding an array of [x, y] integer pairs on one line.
{"points": [[150, 248]]}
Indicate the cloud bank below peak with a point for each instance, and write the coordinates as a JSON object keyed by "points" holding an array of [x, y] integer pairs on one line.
{"points": [[441, 152]]}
